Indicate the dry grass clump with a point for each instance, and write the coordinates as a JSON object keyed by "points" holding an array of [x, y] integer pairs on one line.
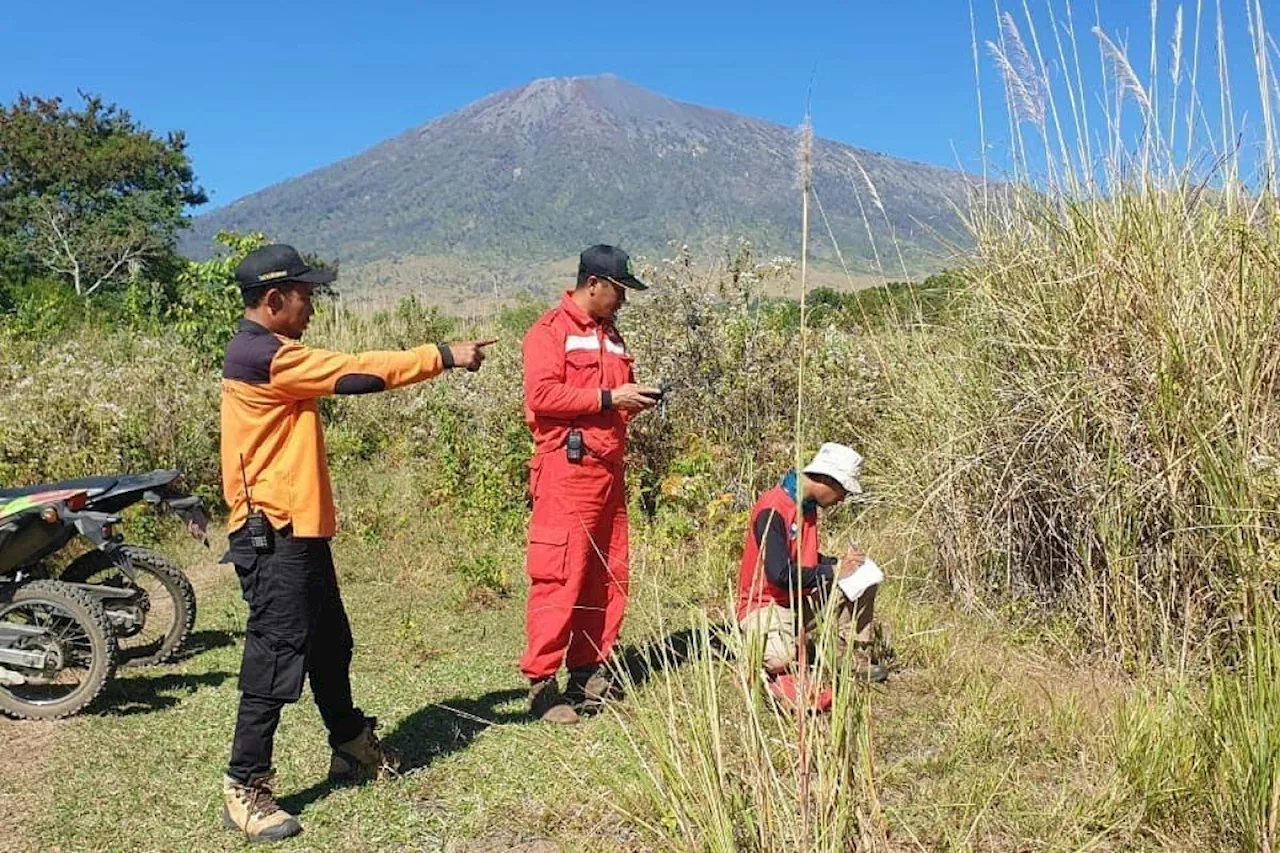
{"points": [[1114, 423]]}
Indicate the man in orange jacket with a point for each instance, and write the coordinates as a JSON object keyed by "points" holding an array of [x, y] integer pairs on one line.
{"points": [[579, 394], [276, 482]]}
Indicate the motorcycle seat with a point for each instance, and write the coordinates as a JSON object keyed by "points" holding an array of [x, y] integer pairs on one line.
{"points": [[92, 486]]}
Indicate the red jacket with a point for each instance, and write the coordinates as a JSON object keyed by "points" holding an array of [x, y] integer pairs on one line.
{"points": [[768, 572], [570, 361]]}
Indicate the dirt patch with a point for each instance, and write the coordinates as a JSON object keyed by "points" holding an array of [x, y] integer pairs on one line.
{"points": [[24, 747], [1094, 689], [23, 741], [206, 574], [505, 844]]}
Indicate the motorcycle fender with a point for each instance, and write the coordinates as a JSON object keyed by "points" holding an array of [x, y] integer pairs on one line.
{"points": [[92, 526], [191, 510], [121, 559]]}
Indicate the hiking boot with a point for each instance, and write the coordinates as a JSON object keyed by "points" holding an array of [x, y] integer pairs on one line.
{"points": [[786, 691], [363, 758], [252, 810], [591, 687], [547, 704]]}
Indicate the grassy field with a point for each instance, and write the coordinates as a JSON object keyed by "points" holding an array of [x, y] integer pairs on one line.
{"points": [[984, 739], [1074, 485]]}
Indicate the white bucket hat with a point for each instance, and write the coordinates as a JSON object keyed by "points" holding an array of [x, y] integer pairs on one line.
{"points": [[840, 463]]}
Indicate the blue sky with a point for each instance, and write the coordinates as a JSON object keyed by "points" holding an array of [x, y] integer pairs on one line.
{"points": [[267, 90]]}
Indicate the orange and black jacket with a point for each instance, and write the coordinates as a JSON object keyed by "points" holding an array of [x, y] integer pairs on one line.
{"points": [[270, 420]]}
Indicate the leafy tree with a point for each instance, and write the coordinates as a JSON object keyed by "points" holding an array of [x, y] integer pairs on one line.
{"points": [[90, 195], [207, 303]]}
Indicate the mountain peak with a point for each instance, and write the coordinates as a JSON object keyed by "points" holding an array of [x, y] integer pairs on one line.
{"points": [[608, 78], [566, 101], [607, 85]]}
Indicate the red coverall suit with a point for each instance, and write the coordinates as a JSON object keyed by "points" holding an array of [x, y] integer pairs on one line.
{"points": [[577, 555]]}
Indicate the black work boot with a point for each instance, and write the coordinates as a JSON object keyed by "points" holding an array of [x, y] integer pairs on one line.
{"points": [[547, 704], [864, 665], [591, 687]]}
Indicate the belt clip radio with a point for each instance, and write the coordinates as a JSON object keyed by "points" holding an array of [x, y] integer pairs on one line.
{"points": [[261, 533], [574, 448]]}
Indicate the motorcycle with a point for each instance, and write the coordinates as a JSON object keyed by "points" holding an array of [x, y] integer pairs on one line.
{"points": [[57, 645], [152, 626]]}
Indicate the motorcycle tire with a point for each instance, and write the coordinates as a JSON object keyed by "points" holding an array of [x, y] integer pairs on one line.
{"points": [[97, 567], [89, 616]]}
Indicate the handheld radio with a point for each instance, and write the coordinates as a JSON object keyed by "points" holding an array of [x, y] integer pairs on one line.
{"points": [[261, 533], [574, 447]]}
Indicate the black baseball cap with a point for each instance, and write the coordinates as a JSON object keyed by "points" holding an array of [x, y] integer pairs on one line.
{"points": [[609, 262], [276, 264]]}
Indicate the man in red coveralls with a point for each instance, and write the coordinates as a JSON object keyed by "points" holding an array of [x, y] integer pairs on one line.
{"points": [[579, 394]]}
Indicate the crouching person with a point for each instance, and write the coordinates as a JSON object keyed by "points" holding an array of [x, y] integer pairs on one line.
{"points": [[783, 578]]}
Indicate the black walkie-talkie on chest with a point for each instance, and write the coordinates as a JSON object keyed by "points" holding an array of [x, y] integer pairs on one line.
{"points": [[261, 533], [574, 447]]}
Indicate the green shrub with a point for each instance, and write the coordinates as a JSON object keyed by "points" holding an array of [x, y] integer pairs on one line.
{"points": [[101, 403], [734, 379], [515, 320], [44, 308]]}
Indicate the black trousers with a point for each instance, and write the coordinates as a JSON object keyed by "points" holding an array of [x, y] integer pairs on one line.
{"points": [[297, 627]]}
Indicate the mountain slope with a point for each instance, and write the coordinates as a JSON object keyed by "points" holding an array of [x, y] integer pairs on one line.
{"points": [[533, 174]]}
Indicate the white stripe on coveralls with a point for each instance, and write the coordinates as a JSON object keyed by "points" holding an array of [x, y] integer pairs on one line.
{"points": [[581, 342], [591, 343]]}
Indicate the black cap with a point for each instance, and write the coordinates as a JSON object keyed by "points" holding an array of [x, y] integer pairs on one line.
{"points": [[277, 264], [609, 262]]}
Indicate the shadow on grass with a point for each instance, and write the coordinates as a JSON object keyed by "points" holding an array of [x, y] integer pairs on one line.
{"points": [[434, 731], [205, 641], [142, 694], [196, 645], [643, 661], [443, 728]]}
